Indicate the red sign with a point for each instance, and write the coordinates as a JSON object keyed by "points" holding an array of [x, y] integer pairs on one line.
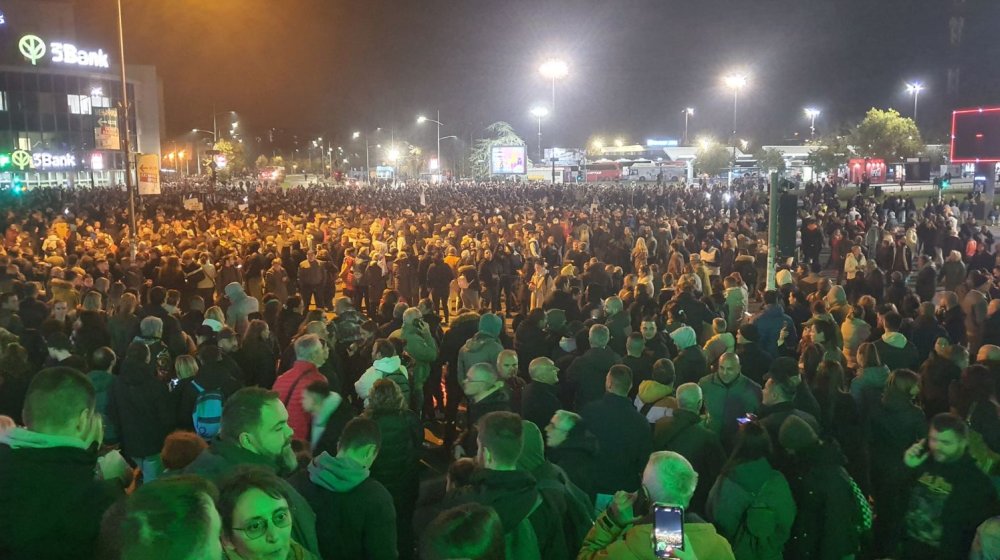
{"points": [[867, 168]]}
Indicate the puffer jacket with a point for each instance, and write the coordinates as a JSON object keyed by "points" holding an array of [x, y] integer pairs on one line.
{"points": [[480, 348]]}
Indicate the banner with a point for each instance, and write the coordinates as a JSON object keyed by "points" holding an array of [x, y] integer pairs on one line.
{"points": [[148, 171], [106, 133]]}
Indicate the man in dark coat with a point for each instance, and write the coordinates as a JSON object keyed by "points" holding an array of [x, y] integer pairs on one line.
{"points": [[685, 433], [50, 501], [588, 371], [754, 362], [573, 449], [355, 517], [926, 283], [893, 347], [622, 433], [540, 398]]}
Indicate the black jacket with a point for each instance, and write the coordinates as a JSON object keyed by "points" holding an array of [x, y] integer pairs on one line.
{"points": [[577, 456], [530, 342], [50, 503], [625, 441], [684, 433], [539, 401], [139, 407], [587, 374], [827, 511], [754, 361]]}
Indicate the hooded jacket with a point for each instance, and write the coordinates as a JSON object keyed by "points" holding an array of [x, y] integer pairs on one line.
{"points": [[897, 352], [656, 399], [577, 456], [483, 347], [587, 374], [608, 540], [769, 323], [355, 517], [422, 349], [140, 408], [240, 307], [725, 403], [379, 369], [827, 511], [684, 433]]}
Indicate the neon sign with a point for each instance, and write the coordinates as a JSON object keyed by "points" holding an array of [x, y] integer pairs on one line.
{"points": [[23, 159], [34, 48]]}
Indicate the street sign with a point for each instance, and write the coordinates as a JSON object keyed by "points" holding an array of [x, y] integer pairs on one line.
{"points": [[149, 174]]}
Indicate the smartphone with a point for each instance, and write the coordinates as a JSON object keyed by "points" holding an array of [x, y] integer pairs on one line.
{"points": [[668, 529], [749, 417]]}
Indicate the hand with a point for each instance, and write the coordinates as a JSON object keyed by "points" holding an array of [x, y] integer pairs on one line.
{"points": [[621, 509], [916, 454], [684, 554], [783, 334], [458, 452], [96, 432]]}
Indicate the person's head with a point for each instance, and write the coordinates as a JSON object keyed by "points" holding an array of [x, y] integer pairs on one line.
{"points": [[613, 305], [729, 367], [664, 372], [480, 380], [386, 397], [490, 324], [689, 397], [411, 314], [173, 518], [501, 438], [669, 478], [892, 321], [635, 344], [775, 392], [360, 441], [824, 332], [59, 309], [151, 327], [507, 364], [310, 348], [256, 420], [684, 337], [648, 329], [544, 370], [618, 381], [902, 383], [868, 356], [469, 531], [383, 348], [795, 434], [103, 359], [180, 449], [256, 516], [257, 332], [314, 396], [599, 336], [830, 378], [947, 438], [719, 325], [559, 427], [60, 401]]}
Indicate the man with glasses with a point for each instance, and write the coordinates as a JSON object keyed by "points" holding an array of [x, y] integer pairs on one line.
{"points": [[540, 399], [484, 389]]}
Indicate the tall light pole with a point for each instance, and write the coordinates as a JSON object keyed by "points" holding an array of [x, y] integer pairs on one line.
{"points": [[812, 114], [736, 82], [133, 232], [915, 88], [539, 113], [688, 112], [422, 119], [554, 69]]}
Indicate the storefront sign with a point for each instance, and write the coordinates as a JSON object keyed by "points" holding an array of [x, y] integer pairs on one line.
{"points": [[42, 161], [34, 48], [106, 136], [149, 174]]}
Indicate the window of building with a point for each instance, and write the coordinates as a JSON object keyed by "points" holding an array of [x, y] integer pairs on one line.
{"points": [[80, 104]]}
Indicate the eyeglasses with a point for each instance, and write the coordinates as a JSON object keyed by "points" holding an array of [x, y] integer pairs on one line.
{"points": [[258, 526]]}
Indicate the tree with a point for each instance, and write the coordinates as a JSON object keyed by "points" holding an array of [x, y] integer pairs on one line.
{"points": [[830, 154], [235, 158], [770, 159], [886, 135], [278, 161], [712, 158], [261, 161], [498, 134]]}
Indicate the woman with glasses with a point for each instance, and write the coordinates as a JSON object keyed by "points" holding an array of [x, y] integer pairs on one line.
{"points": [[256, 518]]}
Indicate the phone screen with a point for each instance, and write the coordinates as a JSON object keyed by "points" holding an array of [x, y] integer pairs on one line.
{"points": [[668, 529]]}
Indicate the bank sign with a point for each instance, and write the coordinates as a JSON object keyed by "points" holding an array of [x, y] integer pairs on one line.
{"points": [[42, 161], [35, 49]]}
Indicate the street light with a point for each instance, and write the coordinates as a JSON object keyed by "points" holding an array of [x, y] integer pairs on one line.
{"points": [[812, 114], [915, 88], [619, 142], [422, 119], [539, 113], [554, 69], [736, 82], [688, 112]]}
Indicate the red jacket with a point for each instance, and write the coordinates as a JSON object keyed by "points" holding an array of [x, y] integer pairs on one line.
{"points": [[290, 387]]}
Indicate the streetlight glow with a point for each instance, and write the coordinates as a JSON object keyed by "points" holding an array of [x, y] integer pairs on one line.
{"points": [[356, 135], [539, 112], [914, 89], [735, 81], [619, 142], [554, 69], [812, 114], [689, 110]]}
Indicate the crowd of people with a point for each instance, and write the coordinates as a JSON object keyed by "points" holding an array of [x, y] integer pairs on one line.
{"points": [[496, 370]]}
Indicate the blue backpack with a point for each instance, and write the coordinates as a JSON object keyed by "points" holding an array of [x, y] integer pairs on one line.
{"points": [[207, 415]]}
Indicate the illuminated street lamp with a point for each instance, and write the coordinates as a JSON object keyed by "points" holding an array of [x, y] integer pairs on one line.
{"points": [[812, 114], [619, 142], [554, 69], [539, 113], [915, 88], [736, 82], [422, 119]]}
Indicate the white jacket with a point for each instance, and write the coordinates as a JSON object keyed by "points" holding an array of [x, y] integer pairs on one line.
{"points": [[379, 369]]}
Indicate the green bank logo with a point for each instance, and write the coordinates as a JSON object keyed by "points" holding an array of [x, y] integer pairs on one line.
{"points": [[21, 159], [32, 47]]}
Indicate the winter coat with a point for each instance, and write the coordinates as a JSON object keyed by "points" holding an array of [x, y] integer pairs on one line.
{"points": [[690, 365], [210, 377], [825, 525], [769, 323], [607, 540], [421, 347], [139, 406], [754, 483], [539, 402], [240, 307], [276, 282], [684, 433], [291, 388], [577, 456], [378, 370], [925, 332], [854, 332], [588, 372], [897, 352], [772, 416], [725, 403], [530, 342], [952, 274], [624, 439], [398, 468], [481, 348], [50, 501], [355, 517], [754, 361]]}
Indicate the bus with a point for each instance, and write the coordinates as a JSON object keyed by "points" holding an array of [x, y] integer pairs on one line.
{"points": [[604, 171]]}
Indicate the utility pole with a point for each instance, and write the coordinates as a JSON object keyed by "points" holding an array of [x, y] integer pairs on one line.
{"points": [[133, 231], [772, 231]]}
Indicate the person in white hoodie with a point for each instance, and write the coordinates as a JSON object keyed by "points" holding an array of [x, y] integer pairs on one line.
{"points": [[386, 364]]}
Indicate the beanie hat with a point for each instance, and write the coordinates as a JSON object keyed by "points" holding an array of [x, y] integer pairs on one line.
{"points": [[796, 434], [750, 332], [491, 324], [782, 369], [684, 337]]}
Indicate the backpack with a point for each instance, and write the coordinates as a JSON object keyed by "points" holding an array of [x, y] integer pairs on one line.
{"points": [[207, 415], [521, 543], [164, 364], [755, 536]]}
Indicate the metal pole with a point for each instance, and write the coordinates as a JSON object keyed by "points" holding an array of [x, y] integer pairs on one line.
{"points": [[440, 159], [133, 230], [553, 95], [368, 172], [772, 231], [916, 96], [686, 114], [215, 125], [732, 169], [539, 139]]}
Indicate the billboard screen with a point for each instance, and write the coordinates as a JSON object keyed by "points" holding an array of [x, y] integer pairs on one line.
{"points": [[975, 135], [508, 160]]}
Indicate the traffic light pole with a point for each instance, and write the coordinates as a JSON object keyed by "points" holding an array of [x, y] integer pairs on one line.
{"points": [[133, 231], [772, 231]]}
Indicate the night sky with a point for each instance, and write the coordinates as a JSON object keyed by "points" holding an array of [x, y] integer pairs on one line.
{"points": [[327, 67]]}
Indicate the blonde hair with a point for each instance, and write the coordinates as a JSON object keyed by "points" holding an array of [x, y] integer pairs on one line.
{"points": [[215, 313], [185, 366]]}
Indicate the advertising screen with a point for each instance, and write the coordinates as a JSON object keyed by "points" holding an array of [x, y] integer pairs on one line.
{"points": [[975, 135], [508, 160]]}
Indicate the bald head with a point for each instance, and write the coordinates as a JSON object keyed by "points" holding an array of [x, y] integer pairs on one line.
{"points": [[988, 353], [689, 397], [729, 367], [543, 370], [613, 305]]}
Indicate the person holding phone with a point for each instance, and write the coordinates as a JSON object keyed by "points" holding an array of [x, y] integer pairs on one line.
{"points": [[628, 529]]}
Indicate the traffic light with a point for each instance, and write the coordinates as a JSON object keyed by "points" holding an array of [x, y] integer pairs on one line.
{"points": [[4, 161], [945, 182]]}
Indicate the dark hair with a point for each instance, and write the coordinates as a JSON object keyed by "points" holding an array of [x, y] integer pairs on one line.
{"points": [[621, 377], [319, 387], [241, 413], [948, 422], [752, 442], [664, 372], [892, 321], [770, 297], [157, 295], [168, 518], [180, 449], [469, 531], [137, 351], [56, 396], [293, 301], [360, 432], [102, 358], [899, 384], [243, 479], [503, 435], [384, 347]]}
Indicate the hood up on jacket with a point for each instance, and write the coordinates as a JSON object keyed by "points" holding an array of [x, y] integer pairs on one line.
{"points": [[235, 293], [533, 451], [390, 364], [651, 391], [337, 474], [479, 341], [894, 339]]}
